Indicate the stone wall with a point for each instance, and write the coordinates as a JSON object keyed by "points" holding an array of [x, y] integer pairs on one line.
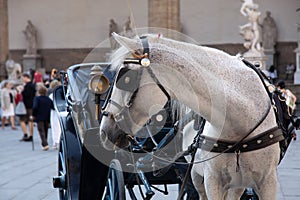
{"points": [[63, 58], [284, 54], [83, 24]]}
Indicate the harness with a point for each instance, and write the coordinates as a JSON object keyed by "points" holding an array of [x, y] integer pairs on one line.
{"points": [[131, 81]]}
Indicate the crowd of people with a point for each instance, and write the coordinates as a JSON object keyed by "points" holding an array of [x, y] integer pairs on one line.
{"points": [[36, 95], [32, 103]]}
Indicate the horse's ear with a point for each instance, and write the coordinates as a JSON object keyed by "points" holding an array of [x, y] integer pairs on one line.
{"points": [[131, 44]]}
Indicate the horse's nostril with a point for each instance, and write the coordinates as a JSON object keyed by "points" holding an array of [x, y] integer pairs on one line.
{"points": [[103, 136]]}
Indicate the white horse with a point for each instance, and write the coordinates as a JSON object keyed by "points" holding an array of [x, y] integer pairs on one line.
{"points": [[221, 88]]}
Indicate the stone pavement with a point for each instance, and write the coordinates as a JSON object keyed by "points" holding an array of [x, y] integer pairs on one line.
{"points": [[27, 175]]}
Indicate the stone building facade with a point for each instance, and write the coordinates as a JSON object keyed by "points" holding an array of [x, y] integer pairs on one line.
{"points": [[69, 30]]}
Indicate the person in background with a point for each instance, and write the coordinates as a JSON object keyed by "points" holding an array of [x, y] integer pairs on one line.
{"points": [[31, 73], [289, 71], [41, 109], [18, 97], [54, 121], [290, 99], [37, 77], [7, 103], [28, 95], [53, 76], [273, 74]]}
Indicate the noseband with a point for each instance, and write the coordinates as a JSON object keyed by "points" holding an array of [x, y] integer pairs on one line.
{"points": [[122, 118]]}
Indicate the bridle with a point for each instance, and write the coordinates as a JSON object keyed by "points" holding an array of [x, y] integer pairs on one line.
{"points": [[122, 118]]}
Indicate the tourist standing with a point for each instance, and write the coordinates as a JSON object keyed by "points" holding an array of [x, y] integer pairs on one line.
{"points": [[53, 76], [289, 70], [28, 95], [7, 103], [37, 77], [290, 99], [54, 121], [273, 74], [41, 109]]}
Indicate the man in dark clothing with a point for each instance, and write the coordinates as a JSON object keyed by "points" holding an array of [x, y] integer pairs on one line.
{"points": [[41, 109], [28, 94]]}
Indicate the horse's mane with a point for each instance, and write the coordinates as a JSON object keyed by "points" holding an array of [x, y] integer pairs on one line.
{"points": [[186, 52], [179, 111], [117, 58]]}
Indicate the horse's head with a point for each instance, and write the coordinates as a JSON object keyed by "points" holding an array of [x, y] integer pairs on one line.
{"points": [[127, 111]]}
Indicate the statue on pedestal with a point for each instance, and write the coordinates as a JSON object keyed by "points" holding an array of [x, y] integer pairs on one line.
{"points": [[251, 34], [31, 59], [13, 70], [30, 33], [113, 27], [269, 32], [128, 32], [250, 31], [297, 51]]}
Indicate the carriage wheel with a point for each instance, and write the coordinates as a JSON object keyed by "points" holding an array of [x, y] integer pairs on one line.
{"points": [[61, 181], [115, 189]]}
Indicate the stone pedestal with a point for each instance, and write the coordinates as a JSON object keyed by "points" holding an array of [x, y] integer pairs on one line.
{"points": [[297, 73], [31, 61], [257, 58], [269, 53]]}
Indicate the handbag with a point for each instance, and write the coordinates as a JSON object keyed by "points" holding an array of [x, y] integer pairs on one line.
{"points": [[20, 109]]}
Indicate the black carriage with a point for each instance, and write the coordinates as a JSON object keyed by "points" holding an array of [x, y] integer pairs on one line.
{"points": [[83, 170], [88, 171]]}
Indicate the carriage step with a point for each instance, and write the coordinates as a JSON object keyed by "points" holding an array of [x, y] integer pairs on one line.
{"points": [[149, 194], [59, 182]]}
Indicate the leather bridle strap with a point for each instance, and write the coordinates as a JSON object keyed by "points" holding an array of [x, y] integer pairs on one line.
{"points": [[161, 87]]}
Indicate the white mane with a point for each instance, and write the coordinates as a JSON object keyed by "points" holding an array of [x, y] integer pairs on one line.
{"points": [[117, 58]]}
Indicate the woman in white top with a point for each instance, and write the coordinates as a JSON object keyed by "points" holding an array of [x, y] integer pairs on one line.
{"points": [[7, 105], [54, 121]]}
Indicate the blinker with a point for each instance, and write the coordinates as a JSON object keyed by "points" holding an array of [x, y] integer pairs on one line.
{"points": [[127, 79]]}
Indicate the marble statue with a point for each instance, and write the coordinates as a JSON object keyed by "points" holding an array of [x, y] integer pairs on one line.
{"points": [[127, 29], [250, 31], [269, 32], [113, 27], [13, 70], [30, 33], [297, 51]]}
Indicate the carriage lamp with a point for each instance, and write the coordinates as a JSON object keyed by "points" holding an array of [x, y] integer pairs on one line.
{"points": [[98, 84]]}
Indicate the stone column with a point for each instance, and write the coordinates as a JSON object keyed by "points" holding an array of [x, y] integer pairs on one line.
{"points": [[164, 14], [3, 37], [297, 51]]}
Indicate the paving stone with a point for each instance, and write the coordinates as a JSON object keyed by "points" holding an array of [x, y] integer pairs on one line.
{"points": [[27, 175]]}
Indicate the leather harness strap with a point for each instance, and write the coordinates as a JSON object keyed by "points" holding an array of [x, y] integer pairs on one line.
{"points": [[260, 141]]}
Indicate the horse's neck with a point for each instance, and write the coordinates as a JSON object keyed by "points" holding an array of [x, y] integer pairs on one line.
{"points": [[218, 86]]}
